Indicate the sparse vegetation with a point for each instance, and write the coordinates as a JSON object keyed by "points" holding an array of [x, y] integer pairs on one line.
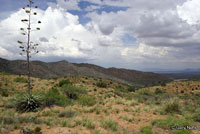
{"points": [[102, 110], [87, 100], [67, 114], [110, 124], [21, 80]]}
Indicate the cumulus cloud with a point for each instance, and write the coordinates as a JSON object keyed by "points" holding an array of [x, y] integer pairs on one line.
{"points": [[166, 32], [66, 4], [190, 11]]}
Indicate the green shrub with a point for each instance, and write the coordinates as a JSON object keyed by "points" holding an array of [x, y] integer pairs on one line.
{"points": [[64, 82], [184, 131], [196, 117], [146, 130], [146, 92], [131, 89], [54, 97], [158, 91], [67, 113], [73, 92], [28, 103], [111, 124], [4, 92], [38, 130], [101, 84], [172, 107], [163, 84], [21, 80], [87, 100], [27, 130]]}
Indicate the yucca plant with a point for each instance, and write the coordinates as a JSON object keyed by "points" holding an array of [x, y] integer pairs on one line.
{"points": [[29, 103]]}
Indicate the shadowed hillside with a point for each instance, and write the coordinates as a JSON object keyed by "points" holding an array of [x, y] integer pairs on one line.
{"points": [[64, 68]]}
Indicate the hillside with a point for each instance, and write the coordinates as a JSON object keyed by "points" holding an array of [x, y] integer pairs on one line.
{"points": [[64, 68], [95, 109]]}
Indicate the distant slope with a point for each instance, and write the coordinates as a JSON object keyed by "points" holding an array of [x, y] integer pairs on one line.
{"points": [[64, 68]]}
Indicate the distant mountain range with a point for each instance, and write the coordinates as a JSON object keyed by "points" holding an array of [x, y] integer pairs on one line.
{"points": [[63, 68]]}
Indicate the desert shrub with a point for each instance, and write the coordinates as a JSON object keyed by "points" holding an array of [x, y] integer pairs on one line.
{"points": [[163, 84], [26, 130], [87, 100], [64, 82], [73, 92], [28, 119], [196, 117], [172, 107], [101, 84], [4, 92], [171, 121], [146, 130], [20, 80], [54, 97], [184, 131], [38, 130], [158, 91], [28, 103], [88, 123], [131, 89], [67, 114], [145, 92], [111, 124]]}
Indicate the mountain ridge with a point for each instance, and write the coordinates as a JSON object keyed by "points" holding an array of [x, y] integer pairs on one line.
{"points": [[64, 68]]}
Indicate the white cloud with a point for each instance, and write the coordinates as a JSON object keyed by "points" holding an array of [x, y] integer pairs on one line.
{"points": [[66, 4], [190, 11], [92, 8], [161, 36]]}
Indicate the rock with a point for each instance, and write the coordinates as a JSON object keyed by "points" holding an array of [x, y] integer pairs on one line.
{"points": [[4, 131]]}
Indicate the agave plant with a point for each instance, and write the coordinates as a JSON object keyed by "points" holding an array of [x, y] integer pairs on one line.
{"points": [[29, 103]]}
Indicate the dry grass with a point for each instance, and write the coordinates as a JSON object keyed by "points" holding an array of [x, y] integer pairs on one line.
{"points": [[124, 112]]}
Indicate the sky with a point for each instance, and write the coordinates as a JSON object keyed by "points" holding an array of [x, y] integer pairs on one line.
{"points": [[133, 34]]}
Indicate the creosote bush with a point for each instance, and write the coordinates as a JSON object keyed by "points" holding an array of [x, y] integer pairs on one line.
{"points": [[28, 103], [131, 89], [54, 97], [172, 107], [73, 92]]}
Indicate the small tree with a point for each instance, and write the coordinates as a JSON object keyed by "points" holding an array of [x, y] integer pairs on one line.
{"points": [[28, 47]]}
